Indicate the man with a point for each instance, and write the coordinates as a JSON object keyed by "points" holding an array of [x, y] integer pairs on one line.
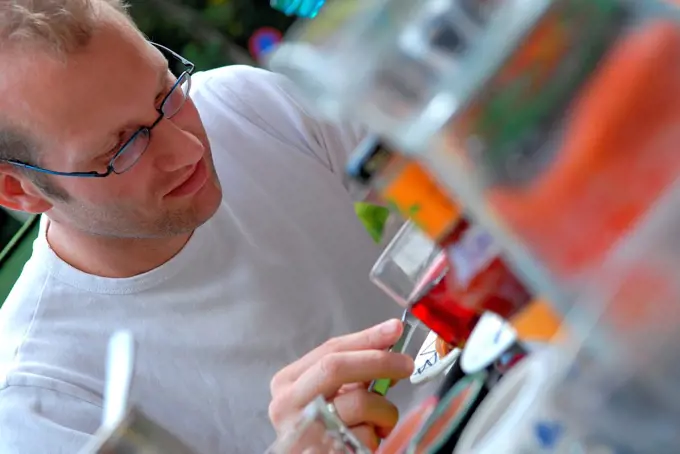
{"points": [[215, 227]]}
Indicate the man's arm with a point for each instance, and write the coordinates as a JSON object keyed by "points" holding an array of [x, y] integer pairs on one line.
{"points": [[36, 420]]}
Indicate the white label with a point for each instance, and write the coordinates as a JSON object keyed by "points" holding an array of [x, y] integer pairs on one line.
{"points": [[491, 338], [428, 363], [415, 253]]}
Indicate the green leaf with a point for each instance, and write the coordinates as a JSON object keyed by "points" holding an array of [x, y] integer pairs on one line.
{"points": [[373, 217]]}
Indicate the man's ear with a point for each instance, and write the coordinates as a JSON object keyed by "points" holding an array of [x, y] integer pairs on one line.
{"points": [[20, 194]]}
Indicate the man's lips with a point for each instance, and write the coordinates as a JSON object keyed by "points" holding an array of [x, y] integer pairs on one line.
{"points": [[192, 182]]}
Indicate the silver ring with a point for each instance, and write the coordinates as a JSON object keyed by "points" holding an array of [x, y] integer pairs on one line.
{"points": [[343, 433], [330, 406]]}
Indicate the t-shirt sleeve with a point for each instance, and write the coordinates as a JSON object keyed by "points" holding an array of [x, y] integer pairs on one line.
{"points": [[273, 103], [36, 420]]}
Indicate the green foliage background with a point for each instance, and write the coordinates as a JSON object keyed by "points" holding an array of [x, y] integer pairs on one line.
{"points": [[210, 33]]}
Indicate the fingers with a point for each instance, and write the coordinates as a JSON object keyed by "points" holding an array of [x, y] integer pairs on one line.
{"points": [[378, 337], [327, 376], [338, 369], [331, 372], [361, 407]]}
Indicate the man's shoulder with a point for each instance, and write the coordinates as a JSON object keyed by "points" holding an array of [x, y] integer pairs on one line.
{"points": [[255, 93], [237, 77], [29, 287]]}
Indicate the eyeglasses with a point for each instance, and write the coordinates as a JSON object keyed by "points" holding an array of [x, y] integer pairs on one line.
{"points": [[136, 144]]}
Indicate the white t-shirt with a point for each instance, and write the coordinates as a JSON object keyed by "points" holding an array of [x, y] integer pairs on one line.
{"points": [[281, 267]]}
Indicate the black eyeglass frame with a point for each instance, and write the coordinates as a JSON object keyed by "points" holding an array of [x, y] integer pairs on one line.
{"points": [[189, 68]]}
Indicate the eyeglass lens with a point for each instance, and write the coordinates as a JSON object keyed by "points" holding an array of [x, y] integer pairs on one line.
{"points": [[135, 147]]}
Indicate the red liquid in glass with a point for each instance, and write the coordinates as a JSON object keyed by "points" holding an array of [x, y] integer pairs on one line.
{"points": [[469, 280], [479, 279], [439, 311]]}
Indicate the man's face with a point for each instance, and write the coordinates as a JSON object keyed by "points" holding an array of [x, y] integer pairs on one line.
{"points": [[80, 110]]}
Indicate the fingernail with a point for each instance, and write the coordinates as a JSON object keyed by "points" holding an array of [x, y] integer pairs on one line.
{"points": [[390, 326]]}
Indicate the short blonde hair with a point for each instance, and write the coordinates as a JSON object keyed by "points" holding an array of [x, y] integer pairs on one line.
{"points": [[62, 25]]}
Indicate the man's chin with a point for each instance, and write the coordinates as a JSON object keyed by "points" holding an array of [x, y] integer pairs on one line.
{"points": [[210, 203], [192, 212]]}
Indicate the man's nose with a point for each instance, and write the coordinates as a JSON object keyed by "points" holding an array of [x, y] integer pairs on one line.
{"points": [[173, 147]]}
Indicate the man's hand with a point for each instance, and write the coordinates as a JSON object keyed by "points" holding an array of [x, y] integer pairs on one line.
{"points": [[340, 370]]}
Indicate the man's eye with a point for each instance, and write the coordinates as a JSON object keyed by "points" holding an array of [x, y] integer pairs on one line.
{"points": [[115, 148], [112, 152]]}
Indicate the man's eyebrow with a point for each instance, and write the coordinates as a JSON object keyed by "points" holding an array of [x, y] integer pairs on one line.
{"points": [[160, 88]]}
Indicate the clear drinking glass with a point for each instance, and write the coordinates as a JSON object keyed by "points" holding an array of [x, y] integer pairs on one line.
{"points": [[405, 263]]}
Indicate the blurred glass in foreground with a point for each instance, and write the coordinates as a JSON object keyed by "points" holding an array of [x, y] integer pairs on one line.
{"points": [[317, 430]]}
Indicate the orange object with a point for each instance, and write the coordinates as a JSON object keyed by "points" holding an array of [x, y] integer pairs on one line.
{"points": [[411, 190], [621, 150], [543, 51], [407, 428], [550, 58], [537, 322], [442, 347]]}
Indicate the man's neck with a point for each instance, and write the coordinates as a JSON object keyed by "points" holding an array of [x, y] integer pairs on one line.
{"points": [[112, 257]]}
